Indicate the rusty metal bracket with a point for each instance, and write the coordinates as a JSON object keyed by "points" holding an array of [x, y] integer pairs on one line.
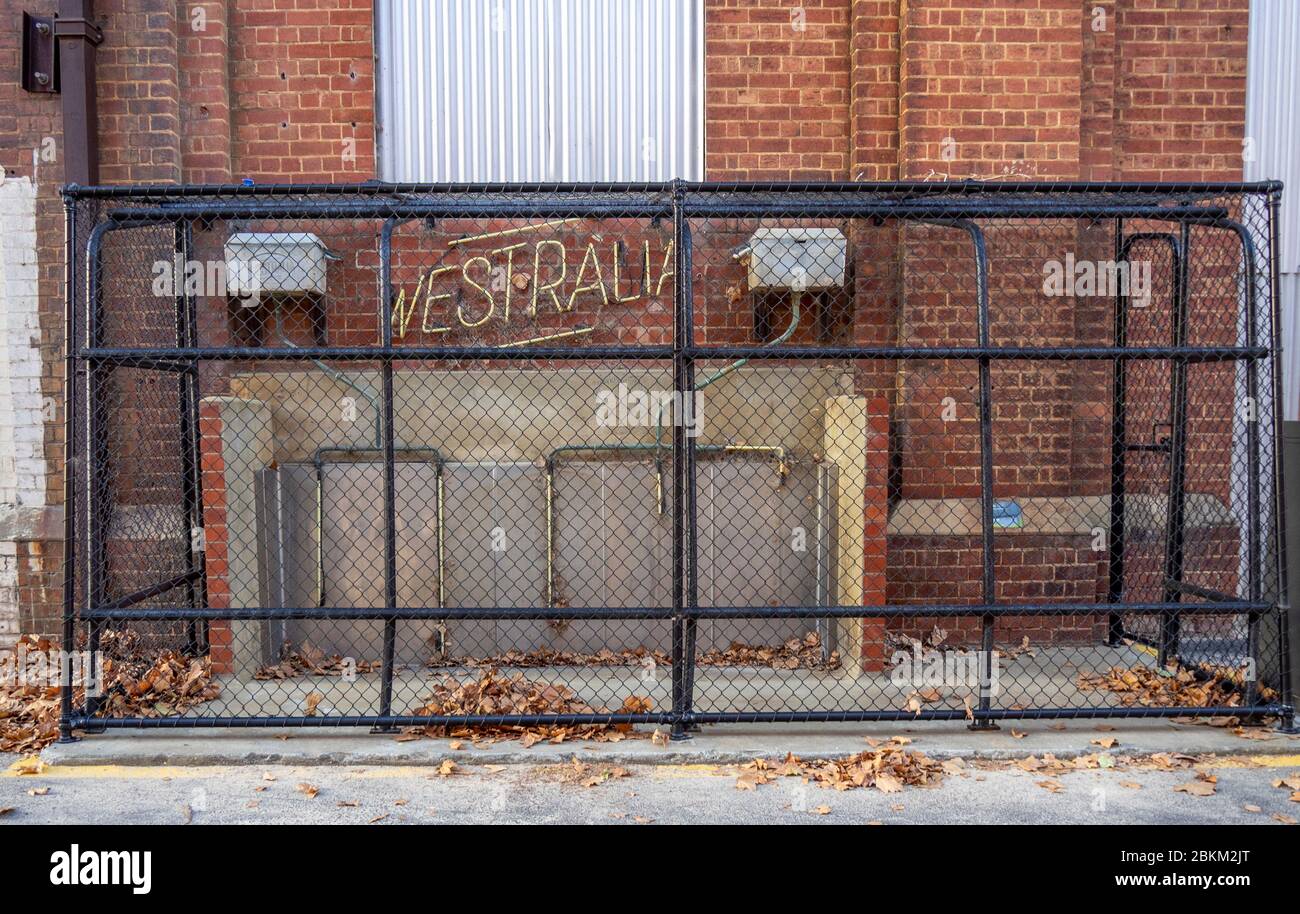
{"points": [[40, 55]]}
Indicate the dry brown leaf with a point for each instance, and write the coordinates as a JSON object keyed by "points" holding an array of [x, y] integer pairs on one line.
{"points": [[823, 810], [1106, 742], [1197, 788], [1283, 818], [30, 765], [311, 790]]}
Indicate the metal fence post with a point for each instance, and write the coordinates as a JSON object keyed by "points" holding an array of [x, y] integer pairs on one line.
{"points": [[1176, 516], [187, 382], [71, 462], [681, 383], [1118, 454], [390, 476]]}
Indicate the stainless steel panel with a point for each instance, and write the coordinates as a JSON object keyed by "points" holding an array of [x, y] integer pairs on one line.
{"points": [[540, 90], [612, 548]]}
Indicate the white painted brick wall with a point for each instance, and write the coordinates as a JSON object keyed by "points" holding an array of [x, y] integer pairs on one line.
{"points": [[22, 433]]}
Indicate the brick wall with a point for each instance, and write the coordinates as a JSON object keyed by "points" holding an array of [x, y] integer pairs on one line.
{"points": [[138, 76], [31, 368], [302, 90], [778, 87]]}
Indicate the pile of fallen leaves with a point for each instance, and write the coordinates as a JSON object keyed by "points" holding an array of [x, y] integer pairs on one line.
{"points": [[1164, 688], [799, 653], [134, 685], [795, 654], [546, 657], [888, 766], [29, 709], [501, 694], [311, 661]]}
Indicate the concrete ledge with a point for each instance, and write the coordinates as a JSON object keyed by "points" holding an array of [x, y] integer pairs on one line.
{"points": [[1066, 515], [717, 745]]}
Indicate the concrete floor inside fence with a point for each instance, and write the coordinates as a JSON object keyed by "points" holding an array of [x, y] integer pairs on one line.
{"points": [[1047, 678]]}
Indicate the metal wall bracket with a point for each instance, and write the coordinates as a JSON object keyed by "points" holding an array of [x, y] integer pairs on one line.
{"points": [[40, 55]]}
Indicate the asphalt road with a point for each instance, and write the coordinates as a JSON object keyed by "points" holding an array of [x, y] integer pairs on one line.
{"points": [[647, 794]]}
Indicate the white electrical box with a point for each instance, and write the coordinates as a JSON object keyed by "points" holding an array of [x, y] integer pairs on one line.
{"points": [[797, 259], [275, 262]]}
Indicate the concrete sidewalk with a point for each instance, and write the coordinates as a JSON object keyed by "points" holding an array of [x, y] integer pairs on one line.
{"points": [[721, 744]]}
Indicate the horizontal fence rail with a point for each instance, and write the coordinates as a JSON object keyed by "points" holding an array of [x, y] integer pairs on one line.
{"points": [[521, 457]]}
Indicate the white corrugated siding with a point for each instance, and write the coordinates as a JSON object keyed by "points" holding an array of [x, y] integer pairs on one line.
{"points": [[1273, 126], [540, 90]]}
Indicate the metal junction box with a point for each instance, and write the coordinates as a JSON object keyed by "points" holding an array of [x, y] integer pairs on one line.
{"points": [[798, 259], [276, 262]]}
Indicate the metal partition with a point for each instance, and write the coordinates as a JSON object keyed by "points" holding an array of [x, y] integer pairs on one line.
{"points": [[676, 454]]}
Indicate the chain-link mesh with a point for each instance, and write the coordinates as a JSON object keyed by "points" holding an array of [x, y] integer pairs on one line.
{"points": [[674, 454]]}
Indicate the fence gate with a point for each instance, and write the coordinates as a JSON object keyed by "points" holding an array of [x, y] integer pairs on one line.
{"points": [[674, 455]]}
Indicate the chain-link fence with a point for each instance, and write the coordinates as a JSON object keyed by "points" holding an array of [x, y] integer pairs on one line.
{"points": [[672, 455]]}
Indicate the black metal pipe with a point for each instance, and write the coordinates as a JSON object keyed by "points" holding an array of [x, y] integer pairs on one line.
{"points": [[477, 208], [390, 471], [379, 723], [186, 580], [924, 210], [954, 188], [988, 584], [1176, 518], [680, 533], [697, 717], [1120, 446], [1118, 453], [995, 353], [70, 467], [795, 717], [98, 498], [1279, 525], [378, 353], [907, 610], [1253, 456], [518, 206], [1191, 354], [189, 443], [1204, 593], [687, 400]]}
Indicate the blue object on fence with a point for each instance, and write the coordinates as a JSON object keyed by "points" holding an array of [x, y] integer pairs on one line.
{"points": [[1007, 514]]}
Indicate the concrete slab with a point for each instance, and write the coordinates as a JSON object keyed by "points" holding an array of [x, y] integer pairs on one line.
{"points": [[1046, 678], [721, 744]]}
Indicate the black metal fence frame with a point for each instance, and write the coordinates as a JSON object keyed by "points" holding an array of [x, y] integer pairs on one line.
{"points": [[951, 205]]}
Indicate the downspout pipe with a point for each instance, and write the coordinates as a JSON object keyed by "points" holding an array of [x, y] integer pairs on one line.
{"points": [[77, 37]]}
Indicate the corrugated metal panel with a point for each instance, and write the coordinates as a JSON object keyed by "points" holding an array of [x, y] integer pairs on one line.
{"points": [[1273, 127], [540, 90]]}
